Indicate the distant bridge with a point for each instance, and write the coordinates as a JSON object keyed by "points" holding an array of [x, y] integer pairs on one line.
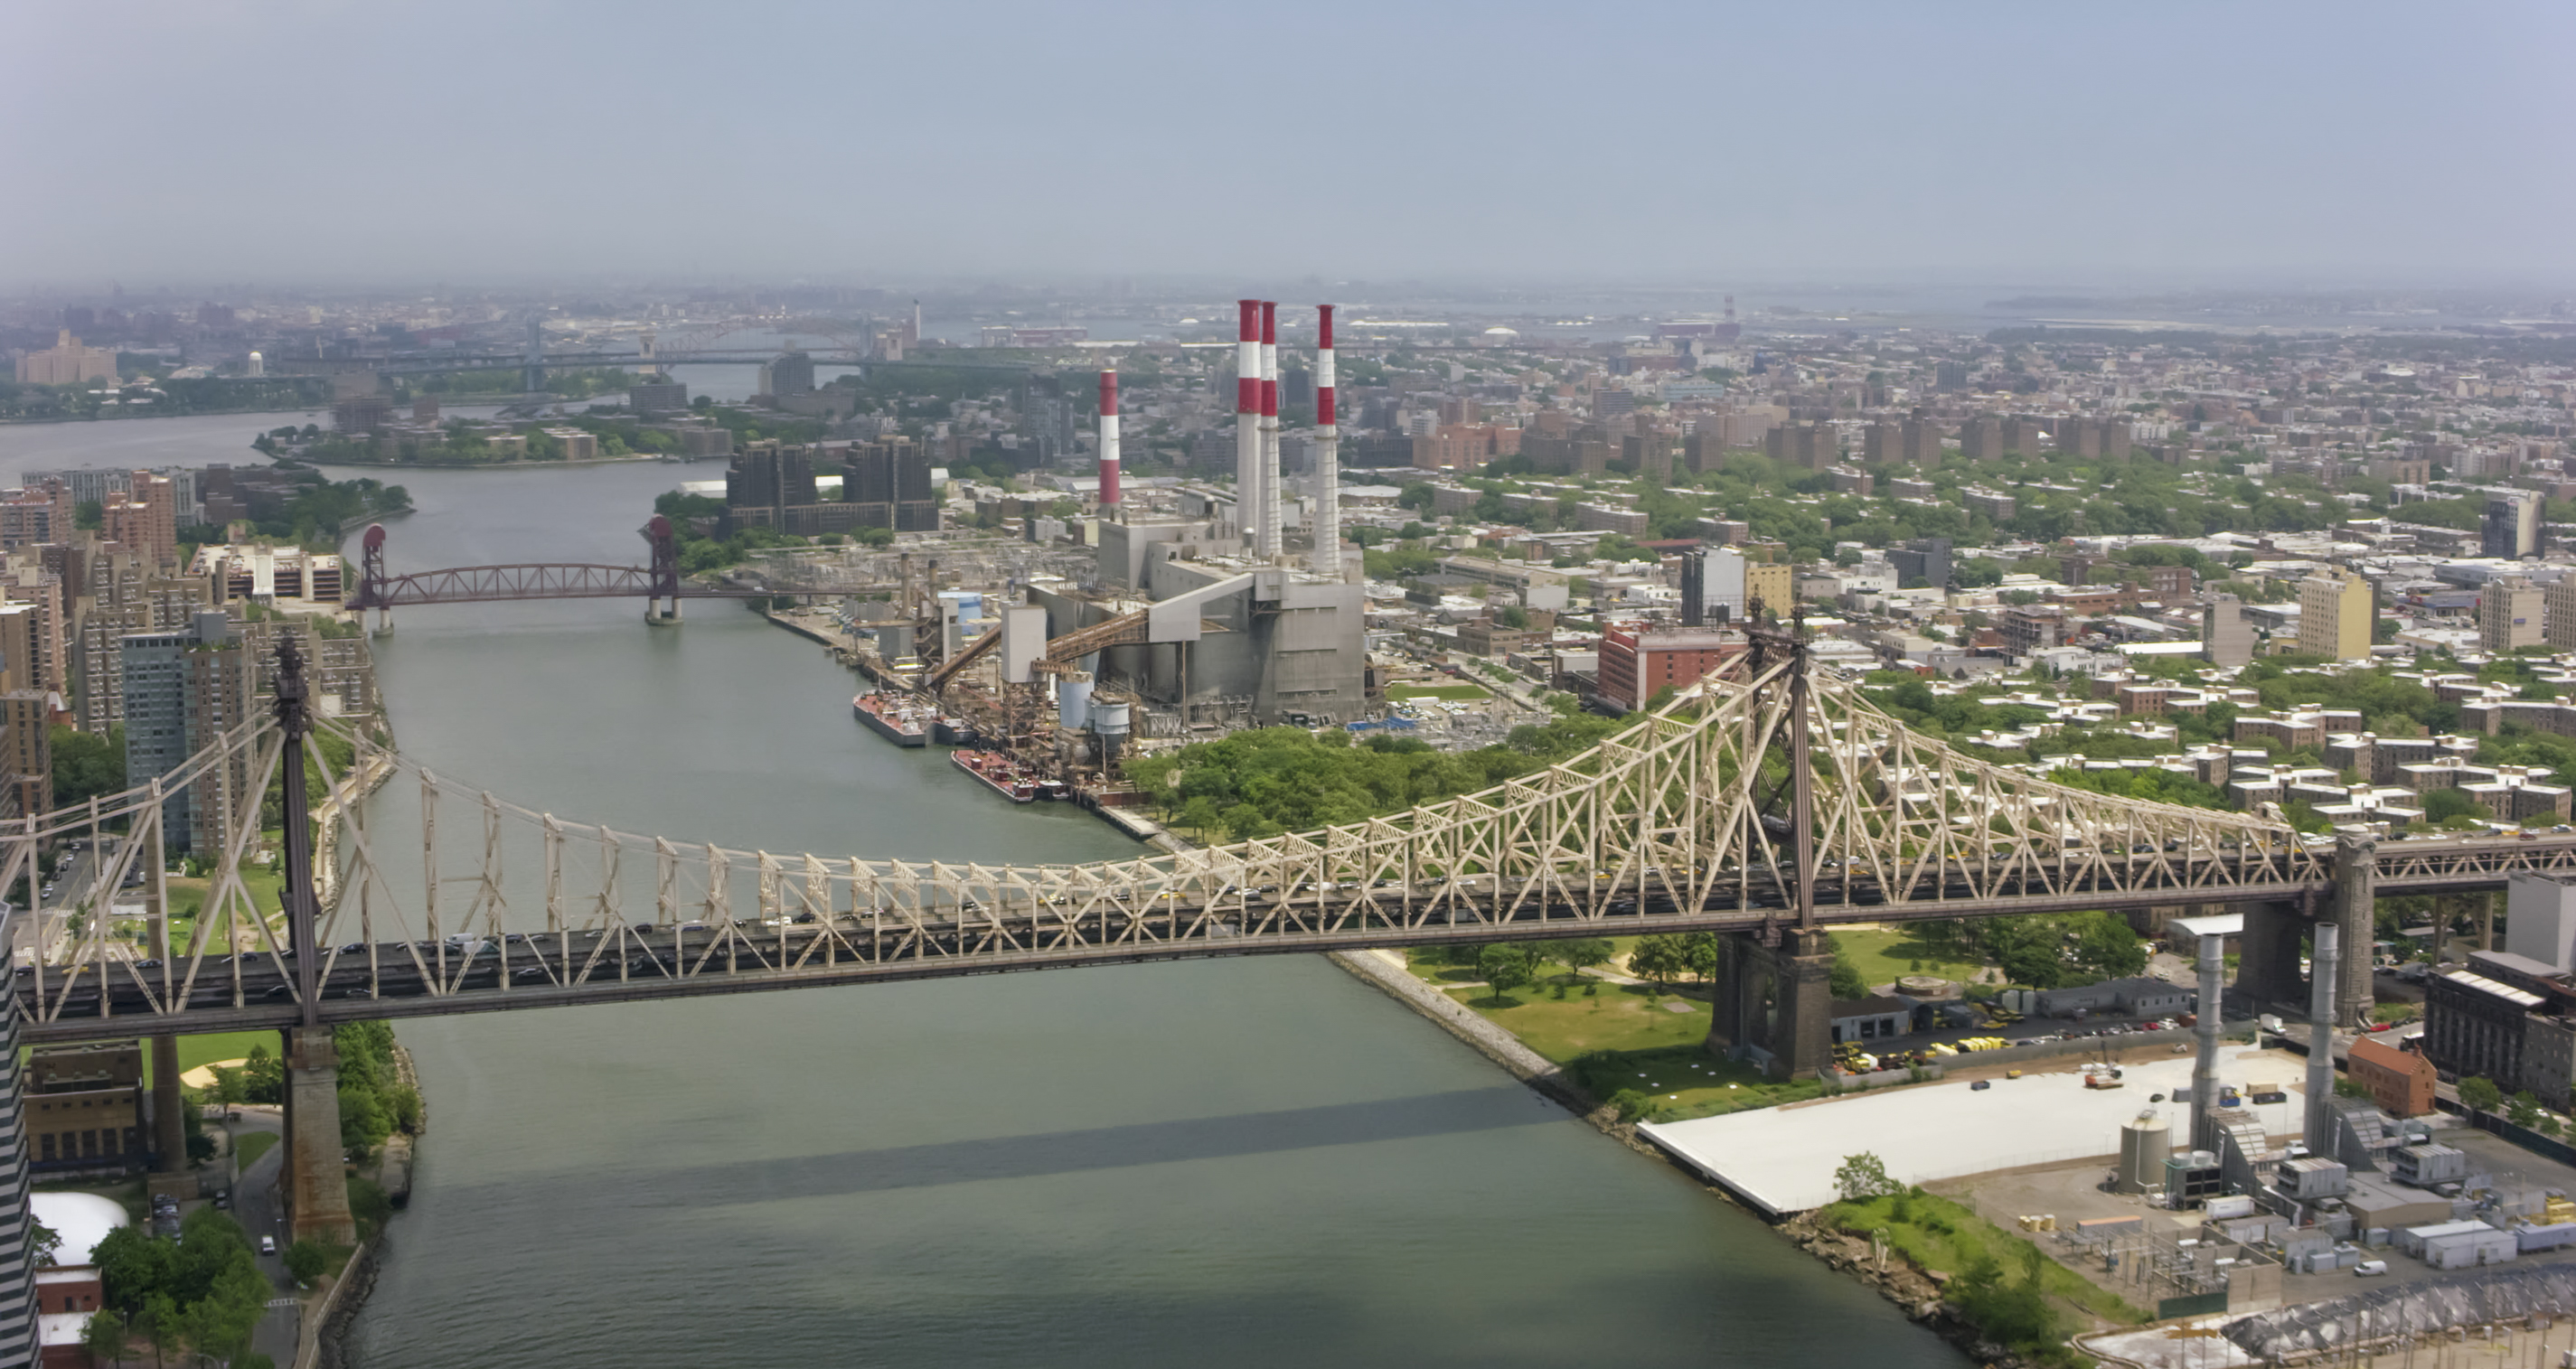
{"points": [[434, 363], [658, 582]]}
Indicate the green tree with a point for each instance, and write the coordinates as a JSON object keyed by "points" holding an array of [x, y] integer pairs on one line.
{"points": [[86, 764], [158, 1318], [103, 1335], [1863, 1176], [1582, 953], [44, 1241], [263, 1076], [1505, 967], [2480, 1094], [305, 1260], [1657, 958], [1847, 982], [2523, 1110], [1702, 953], [2106, 947]]}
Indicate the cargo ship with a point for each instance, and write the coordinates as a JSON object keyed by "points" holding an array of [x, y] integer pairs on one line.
{"points": [[896, 719], [999, 773]]}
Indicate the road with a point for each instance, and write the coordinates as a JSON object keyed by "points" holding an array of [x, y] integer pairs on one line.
{"points": [[257, 1205]]}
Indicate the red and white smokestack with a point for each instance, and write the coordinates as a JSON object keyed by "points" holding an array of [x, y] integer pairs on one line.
{"points": [[1108, 439], [1328, 451], [1269, 546], [1247, 422]]}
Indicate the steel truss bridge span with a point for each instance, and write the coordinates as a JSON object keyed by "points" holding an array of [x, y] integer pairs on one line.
{"points": [[656, 581], [1764, 801]]}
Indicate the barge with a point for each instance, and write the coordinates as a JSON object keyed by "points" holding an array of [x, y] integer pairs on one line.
{"points": [[897, 720], [997, 772]]}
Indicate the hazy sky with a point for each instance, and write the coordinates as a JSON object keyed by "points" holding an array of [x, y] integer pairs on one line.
{"points": [[2150, 142]]}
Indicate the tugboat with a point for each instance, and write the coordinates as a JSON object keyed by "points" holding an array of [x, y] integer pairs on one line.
{"points": [[892, 718], [951, 730], [999, 773]]}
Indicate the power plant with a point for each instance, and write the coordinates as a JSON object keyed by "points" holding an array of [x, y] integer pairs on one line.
{"points": [[1226, 620]]}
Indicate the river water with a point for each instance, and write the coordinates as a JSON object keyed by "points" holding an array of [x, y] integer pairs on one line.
{"points": [[1254, 1162]]}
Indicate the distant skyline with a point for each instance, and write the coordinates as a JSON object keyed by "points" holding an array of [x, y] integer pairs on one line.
{"points": [[2283, 145]]}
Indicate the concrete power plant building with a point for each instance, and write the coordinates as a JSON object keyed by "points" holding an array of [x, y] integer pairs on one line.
{"points": [[1239, 627]]}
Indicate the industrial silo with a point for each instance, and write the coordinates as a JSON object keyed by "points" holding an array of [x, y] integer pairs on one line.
{"points": [[2145, 1143]]}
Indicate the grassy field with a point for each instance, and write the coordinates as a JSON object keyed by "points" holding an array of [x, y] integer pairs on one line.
{"points": [[1943, 1235], [214, 1046], [1619, 1017], [1623, 1037], [187, 896], [1456, 692], [1884, 953], [255, 1144]]}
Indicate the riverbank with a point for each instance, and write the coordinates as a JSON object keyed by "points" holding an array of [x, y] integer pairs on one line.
{"points": [[646, 458], [845, 650], [310, 410], [326, 1324], [1913, 1291]]}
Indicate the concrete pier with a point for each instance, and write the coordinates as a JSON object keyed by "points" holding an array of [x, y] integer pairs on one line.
{"points": [[1775, 1003], [169, 1134], [317, 1197]]}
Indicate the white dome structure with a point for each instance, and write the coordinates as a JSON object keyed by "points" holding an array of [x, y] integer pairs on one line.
{"points": [[81, 1219]]}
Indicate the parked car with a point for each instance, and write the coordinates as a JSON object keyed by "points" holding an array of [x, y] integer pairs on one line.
{"points": [[2369, 1269]]}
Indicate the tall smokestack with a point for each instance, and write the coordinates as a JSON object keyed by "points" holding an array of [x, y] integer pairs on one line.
{"points": [[1247, 422], [1108, 440], [2322, 964], [1327, 457], [1268, 549]]}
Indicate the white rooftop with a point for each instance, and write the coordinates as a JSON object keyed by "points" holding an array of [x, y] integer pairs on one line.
{"points": [[1783, 1159]]}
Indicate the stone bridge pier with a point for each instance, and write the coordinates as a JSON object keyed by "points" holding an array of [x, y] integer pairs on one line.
{"points": [[2267, 964], [316, 1181], [1774, 1004]]}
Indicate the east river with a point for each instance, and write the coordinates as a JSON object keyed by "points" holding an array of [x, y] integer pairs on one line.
{"points": [[1251, 1162]]}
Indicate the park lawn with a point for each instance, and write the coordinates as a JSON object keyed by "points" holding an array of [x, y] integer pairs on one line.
{"points": [[214, 1046], [1621, 1017], [1460, 692], [1885, 953], [1948, 1237], [253, 1145], [187, 896]]}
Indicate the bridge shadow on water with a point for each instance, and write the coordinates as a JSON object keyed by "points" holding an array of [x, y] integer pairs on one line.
{"points": [[1042, 1154]]}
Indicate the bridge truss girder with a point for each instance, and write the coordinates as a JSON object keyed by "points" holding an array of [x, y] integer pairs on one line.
{"points": [[1673, 825]]}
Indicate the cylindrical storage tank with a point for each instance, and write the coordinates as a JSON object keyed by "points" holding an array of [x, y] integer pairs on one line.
{"points": [[1109, 721], [2145, 1143], [1073, 701]]}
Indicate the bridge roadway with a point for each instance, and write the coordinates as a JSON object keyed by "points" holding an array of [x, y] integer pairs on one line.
{"points": [[591, 965]]}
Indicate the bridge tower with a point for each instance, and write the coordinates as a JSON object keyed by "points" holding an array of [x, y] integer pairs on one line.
{"points": [[533, 377], [371, 579], [1775, 985], [665, 572], [318, 1187]]}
